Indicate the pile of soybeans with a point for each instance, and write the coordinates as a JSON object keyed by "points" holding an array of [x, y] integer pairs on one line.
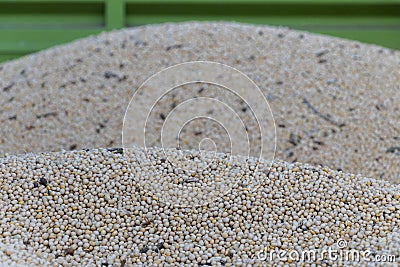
{"points": [[70, 196]]}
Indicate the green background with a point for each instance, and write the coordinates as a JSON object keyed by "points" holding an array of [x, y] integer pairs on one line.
{"points": [[27, 26]]}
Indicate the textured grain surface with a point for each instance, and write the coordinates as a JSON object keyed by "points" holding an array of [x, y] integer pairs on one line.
{"points": [[335, 102], [87, 208]]}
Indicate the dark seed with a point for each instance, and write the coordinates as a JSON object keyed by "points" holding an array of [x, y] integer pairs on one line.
{"points": [[72, 147], [43, 181], [144, 249], [159, 246], [69, 251], [35, 184]]}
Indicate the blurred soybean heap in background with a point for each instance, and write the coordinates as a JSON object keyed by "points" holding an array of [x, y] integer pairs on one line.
{"points": [[27, 26]]}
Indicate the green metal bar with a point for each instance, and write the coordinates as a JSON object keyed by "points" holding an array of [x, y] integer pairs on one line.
{"points": [[115, 14], [14, 41], [249, 2], [50, 1]]}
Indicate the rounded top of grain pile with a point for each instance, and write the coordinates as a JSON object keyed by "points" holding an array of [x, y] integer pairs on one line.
{"points": [[335, 101]]}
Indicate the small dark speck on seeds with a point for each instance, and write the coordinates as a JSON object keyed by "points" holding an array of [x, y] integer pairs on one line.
{"points": [[116, 150], [12, 118], [260, 33], [393, 149], [321, 61], [140, 43], [144, 249], [252, 57], [159, 247], [176, 46], [8, 87], [110, 74], [46, 115], [294, 139], [319, 143], [281, 35], [123, 78], [162, 116], [35, 184]]}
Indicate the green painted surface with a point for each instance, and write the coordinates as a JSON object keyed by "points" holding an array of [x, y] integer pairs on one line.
{"points": [[30, 25]]}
